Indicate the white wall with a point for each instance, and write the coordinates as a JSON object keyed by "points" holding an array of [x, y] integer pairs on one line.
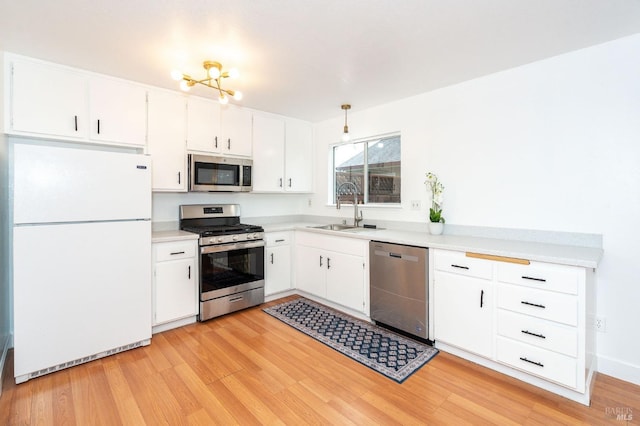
{"points": [[553, 145], [166, 205]]}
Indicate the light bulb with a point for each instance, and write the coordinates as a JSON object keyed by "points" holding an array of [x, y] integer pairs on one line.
{"points": [[223, 99], [237, 95], [184, 85], [176, 75], [213, 72], [346, 137], [234, 73]]}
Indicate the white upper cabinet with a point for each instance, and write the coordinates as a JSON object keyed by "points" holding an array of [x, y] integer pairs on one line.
{"points": [[268, 153], [58, 102], [236, 131], [117, 111], [203, 126], [282, 154], [298, 156], [46, 100], [166, 140]]}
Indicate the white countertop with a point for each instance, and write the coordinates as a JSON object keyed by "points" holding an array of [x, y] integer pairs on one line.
{"points": [[172, 235], [543, 252]]}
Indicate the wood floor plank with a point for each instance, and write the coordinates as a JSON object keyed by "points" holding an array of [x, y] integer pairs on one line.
{"points": [[249, 368]]}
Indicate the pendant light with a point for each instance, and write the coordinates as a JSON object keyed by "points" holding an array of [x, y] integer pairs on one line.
{"points": [[345, 135]]}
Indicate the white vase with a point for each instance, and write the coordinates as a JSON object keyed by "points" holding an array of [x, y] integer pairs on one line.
{"points": [[436, 228]]}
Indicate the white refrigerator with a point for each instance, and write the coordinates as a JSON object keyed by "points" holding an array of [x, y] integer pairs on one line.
{"points": [[81, 255]]}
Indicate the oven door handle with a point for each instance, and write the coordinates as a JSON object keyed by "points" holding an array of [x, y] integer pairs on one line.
{"points": [[233, 246]]}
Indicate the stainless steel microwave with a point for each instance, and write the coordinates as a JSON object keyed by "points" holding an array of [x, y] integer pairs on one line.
{"points": [[208, 173]]}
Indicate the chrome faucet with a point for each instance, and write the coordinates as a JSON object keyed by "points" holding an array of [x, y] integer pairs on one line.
{"points": [[351, 189]]}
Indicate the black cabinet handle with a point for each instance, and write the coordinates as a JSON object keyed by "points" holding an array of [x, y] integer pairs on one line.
{"points": [[229, 143], [280, 182], [98, 126], [481, 298], [533, 304], [279, 241], [289, 182], [216, 141], [177, 252], [189, 275], [320, 261], [328, 263], [539, 364], [460, 267], [75, 120], [178, 178], [272, 258], [533, 334], [542, 280]]}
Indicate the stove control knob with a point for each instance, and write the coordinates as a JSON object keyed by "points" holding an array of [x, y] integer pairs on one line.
{"points": [[220, 239], [251, 236], [234, 238]]}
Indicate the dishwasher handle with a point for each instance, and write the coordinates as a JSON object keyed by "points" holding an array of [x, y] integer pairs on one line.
{"points": [[395, 255]]}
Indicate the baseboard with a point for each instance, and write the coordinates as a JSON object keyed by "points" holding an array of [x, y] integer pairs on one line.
{"points": [[3, 359], [619, 369]]}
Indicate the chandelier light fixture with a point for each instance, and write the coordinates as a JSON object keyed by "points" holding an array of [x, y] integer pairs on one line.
{"points": [[345, 134], [214, 78]]}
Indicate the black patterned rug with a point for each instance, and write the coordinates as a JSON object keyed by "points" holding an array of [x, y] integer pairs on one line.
{"points": [[388, 353]]}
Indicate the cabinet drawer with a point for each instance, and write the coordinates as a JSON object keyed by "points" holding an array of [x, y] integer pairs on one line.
{"points": [[274, 239], [545, 276], [540, 362], [538, 332], [457, 262], [174, 251], [539, 303]]}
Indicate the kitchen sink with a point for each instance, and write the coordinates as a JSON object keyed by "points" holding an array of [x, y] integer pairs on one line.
{"points": [[334, 227]]}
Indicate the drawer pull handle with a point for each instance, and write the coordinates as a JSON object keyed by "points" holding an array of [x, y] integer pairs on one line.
{"points": [[533, 334], [177, 252], [531, 362], [236, 299], [272, 258], [481, 298], [460, 267], [279, 241], [542, 280], [533, 304]]}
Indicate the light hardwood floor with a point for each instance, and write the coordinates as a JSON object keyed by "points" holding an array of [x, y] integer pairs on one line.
{"points": [[249, 368]]}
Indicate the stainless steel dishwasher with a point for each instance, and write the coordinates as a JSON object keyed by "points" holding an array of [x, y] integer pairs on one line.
{"points": [[399, 287]]}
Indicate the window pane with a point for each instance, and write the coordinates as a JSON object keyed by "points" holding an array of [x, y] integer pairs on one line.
{"points": [[384, 178], [348, 162]]}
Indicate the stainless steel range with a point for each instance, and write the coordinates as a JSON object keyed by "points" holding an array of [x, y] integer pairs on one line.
{"points": [[231, 258]]}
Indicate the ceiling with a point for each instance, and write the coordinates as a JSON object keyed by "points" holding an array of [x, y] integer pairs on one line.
{"points": [[303, 58]]}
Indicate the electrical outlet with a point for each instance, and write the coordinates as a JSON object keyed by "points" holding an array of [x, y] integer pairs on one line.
{"points": [[600, 324], [415, 204]]}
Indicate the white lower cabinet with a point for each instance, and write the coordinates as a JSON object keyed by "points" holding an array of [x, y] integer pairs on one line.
{"points": [[533, 318], [277, 269], [332, 268], [175, 281], [463, 304]]}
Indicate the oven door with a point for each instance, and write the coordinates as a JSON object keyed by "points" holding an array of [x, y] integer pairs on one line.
{"points": [[231, 268], [209, 174]]}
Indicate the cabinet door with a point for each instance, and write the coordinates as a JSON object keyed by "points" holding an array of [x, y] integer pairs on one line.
{"points": [[176, 290], [278, 269], [48, 100], [203, 125], [345, 280], [311, 267], [117, 111], [236, 130], [298, 156], [268, 155], [166, 141], [463, 312]]}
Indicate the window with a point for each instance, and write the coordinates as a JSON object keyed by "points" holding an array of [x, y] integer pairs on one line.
{"points": [[373, 165]]}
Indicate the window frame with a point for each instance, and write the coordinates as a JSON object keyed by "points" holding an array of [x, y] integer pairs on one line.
{"points": [[332, 171]]}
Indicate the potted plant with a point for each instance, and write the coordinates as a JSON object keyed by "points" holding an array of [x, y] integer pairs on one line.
{"points": [[436, 221]]}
